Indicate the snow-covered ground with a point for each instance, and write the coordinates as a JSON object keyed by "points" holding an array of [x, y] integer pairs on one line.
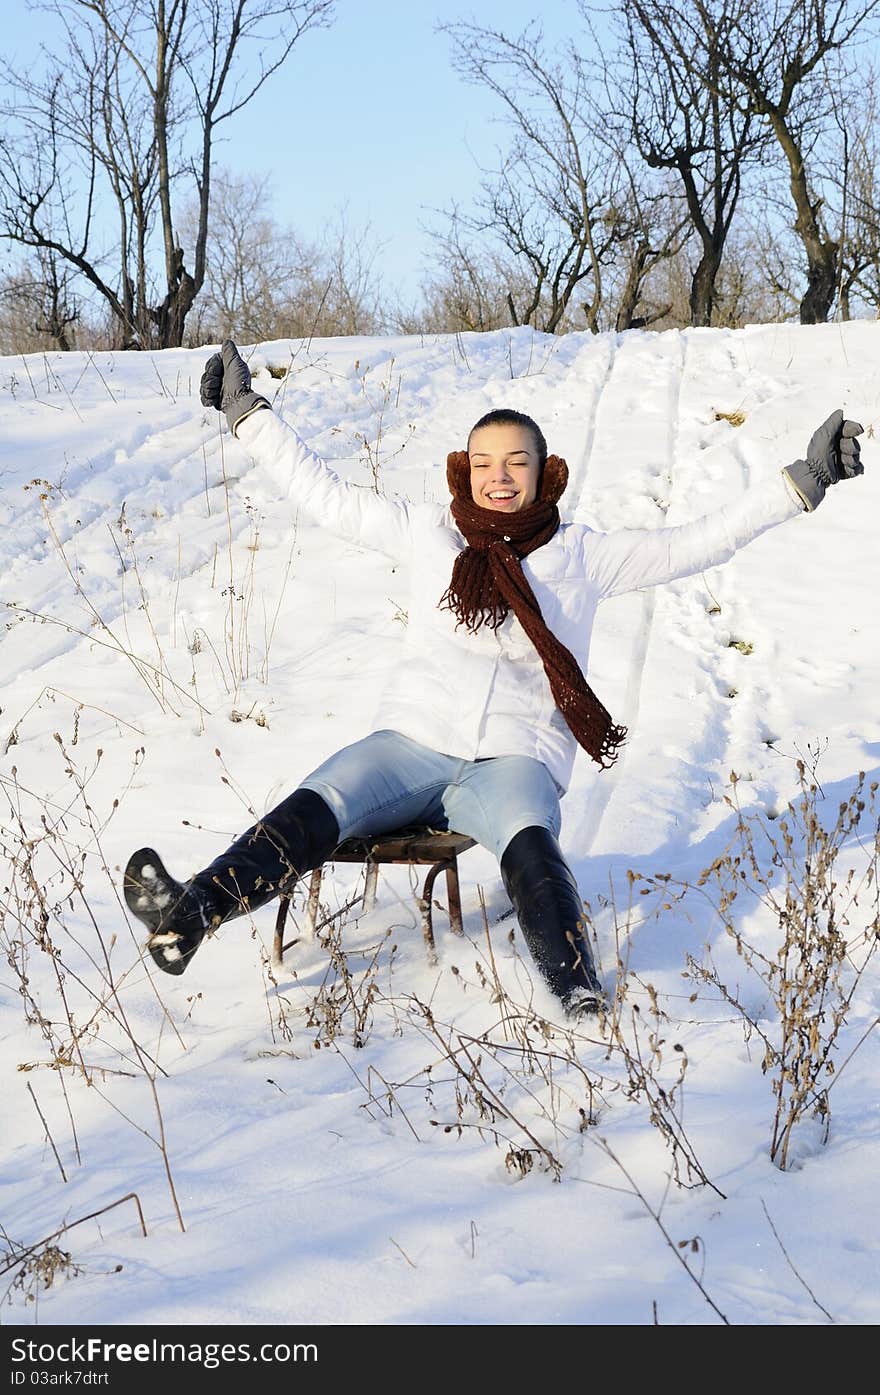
{"points": [[359, 1136]]}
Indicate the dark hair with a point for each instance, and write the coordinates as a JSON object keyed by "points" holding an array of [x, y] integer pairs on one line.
{"points": [[506, 416]]}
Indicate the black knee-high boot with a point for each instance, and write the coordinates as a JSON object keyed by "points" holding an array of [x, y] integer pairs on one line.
{"points": [[551, 915], [294, 837]]}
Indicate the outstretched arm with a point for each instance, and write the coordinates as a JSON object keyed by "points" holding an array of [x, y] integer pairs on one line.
{"points": [[299, 475], [631, 558]]}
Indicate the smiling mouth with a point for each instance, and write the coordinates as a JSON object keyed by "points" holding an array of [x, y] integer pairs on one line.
{"points": [[502, 496]]}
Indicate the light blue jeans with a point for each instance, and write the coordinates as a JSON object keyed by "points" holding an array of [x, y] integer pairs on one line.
{"points": [[387, 781]]}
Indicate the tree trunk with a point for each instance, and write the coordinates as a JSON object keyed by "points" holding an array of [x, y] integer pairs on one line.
{"points": [[818, 299], [822, 251], [702, 297], [632, 290], [170, 317]]}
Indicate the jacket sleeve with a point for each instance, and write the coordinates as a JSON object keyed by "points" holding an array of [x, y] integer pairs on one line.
{"points": [[302, 477], [631, 558]]}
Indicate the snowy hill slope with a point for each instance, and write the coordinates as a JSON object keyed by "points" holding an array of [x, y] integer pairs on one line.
{"points": [[176, 642]]}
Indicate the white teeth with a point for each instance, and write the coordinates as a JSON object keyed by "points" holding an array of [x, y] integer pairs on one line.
{"points": [[503, 494]]}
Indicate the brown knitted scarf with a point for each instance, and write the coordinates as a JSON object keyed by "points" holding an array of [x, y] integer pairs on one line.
{"points": [[488, 582]]}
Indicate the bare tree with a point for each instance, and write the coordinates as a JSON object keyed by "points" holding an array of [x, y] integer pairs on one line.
{"points": [[128, 113], [773, 63], [650, 228], [545, 203], [860, 255], [853, 176], [759, 276], [347, 286], [251, 263], [679, 121], [57, 308], [776, 253], [267, 282], [570, 213], [38, 307], [468, 285]]}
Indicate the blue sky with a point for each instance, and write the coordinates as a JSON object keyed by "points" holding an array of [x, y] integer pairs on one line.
{"points": [[371, 112], [367, 114]]}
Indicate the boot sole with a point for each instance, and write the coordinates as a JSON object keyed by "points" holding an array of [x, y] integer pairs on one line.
{"points": [[586, 1003], [151, 894]]}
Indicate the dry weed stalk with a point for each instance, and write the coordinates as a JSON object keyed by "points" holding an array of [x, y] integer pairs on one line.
{"points": [[57, 947], [237, 656], [637, 1036], [680, 1249], [639, 1040], [37, 1265], [829, 925], [155, 676], [278, 1006], [520, 1084], [347, 994], [372, 447], [235, 659]]}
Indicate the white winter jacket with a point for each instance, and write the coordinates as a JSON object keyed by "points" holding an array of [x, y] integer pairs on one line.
{"points": [[486, 694]]}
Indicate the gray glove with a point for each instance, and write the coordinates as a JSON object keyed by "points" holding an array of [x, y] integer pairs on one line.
{"points": [[832, 455], [226, 385]]}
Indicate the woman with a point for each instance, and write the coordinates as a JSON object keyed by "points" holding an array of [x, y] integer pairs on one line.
{"points": [[479, 729]]}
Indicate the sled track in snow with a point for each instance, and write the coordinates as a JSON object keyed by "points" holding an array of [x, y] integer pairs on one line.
{"points": [[579, 475], [602, 790]]}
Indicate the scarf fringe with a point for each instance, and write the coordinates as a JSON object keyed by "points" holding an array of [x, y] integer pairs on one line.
{"points": [[473, 613], [609, 749]]}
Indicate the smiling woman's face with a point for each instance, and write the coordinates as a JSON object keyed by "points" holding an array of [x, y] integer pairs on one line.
{"points": [[505, 467]]}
